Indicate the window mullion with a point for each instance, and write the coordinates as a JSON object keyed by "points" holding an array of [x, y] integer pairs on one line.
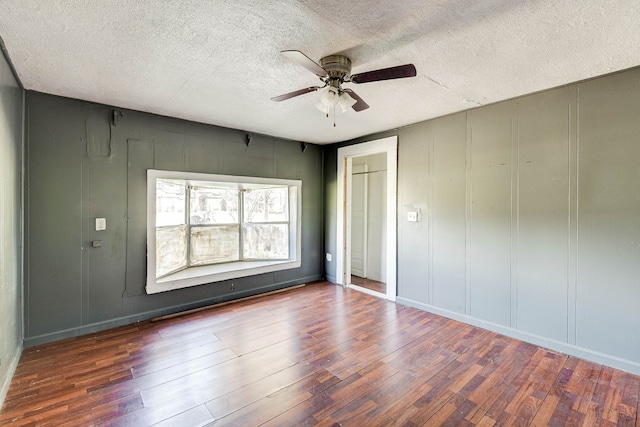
{"points": [[289, 216], [240, 223], [187, 216]]}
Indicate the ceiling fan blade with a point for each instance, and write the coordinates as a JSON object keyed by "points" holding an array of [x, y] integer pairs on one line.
{"points": [[399, 72], [295, 93], [360, 104], [308, 63]]}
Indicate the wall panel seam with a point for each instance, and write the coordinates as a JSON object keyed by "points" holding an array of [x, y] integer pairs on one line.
{"points": [[515, 214], [468, 211], [430, 209]]}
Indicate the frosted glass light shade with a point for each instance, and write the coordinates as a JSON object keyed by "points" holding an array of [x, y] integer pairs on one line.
{"points": [[346, 101], [329, 96]]}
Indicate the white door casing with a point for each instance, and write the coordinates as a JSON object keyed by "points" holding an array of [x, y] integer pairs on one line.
{"points": [[343, 229]]}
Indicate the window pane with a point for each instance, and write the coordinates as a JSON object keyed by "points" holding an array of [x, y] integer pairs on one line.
{"points": [[266, 205], [171, 249], [211, 245], [265, 241], [170, 203], [213, 206]]}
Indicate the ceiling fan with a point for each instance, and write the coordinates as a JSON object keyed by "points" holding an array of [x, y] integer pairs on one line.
{"points": [[334, 70]]}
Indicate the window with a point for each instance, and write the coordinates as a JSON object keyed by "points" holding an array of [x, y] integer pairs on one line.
{"points": [[206, 228]]}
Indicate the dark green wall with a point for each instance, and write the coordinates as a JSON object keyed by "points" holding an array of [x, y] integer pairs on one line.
{"points": [[10, 224], [529, 217], [80, 165]]}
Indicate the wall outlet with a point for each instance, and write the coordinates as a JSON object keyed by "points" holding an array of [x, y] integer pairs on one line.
{"points": [[412, 216], [233, 286], [329, 257]]}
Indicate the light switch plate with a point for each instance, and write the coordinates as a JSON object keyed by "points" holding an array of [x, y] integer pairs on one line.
{"points": [[101, 224], [412, 216]]}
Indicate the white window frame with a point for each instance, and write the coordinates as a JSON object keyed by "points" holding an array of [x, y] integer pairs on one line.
{"points": [[200, 275]]}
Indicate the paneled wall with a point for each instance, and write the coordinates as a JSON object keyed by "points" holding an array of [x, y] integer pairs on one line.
{"points": [[10, 224], [85, 161], [529, 217]]}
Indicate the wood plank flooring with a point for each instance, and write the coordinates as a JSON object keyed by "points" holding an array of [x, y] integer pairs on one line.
{"points": [[373, 285], [317, 355]]}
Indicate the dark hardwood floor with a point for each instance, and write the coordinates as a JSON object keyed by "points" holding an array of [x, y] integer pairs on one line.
{"points": [[315, 355], [372, 285]]}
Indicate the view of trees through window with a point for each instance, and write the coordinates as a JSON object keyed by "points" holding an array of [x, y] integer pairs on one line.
{"points": [[211, 223]]}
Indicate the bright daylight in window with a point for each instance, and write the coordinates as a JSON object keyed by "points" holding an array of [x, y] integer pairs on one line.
{"points": [[205, 228]]}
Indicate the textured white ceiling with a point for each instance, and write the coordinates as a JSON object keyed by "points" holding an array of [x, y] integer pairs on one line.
{"points": [[218, 61]]}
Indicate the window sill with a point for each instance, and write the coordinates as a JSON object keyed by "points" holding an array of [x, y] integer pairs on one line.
{"points": [[216, 273]]}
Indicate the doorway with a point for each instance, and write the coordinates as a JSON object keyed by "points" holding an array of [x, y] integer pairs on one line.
{"points": [[368, 222], [367, 244]]}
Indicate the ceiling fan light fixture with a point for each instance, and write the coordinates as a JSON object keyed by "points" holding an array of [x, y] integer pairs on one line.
{"points": [[329, 96], [346, 101]]}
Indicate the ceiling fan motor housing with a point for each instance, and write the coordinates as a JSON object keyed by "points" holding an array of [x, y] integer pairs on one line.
{"points": [[337, 66]]}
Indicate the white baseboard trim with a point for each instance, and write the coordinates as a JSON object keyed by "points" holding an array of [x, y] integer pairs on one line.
{"points": [[573, 350]]}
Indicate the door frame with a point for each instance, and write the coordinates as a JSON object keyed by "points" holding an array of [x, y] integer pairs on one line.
{"points": [[389, 146]]}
